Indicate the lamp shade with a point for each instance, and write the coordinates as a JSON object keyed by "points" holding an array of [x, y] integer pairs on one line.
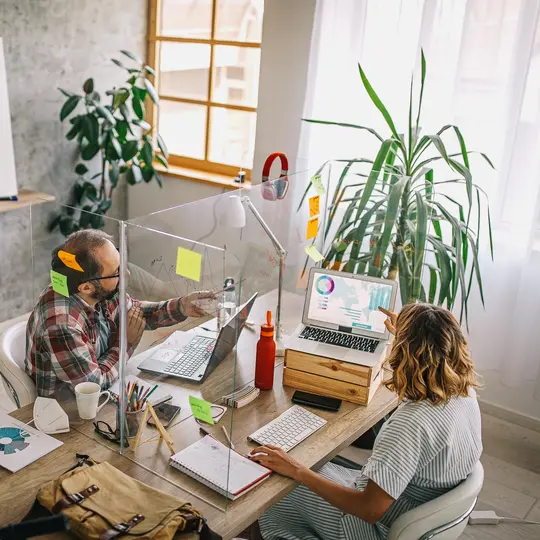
{"points": [[236, 213]]}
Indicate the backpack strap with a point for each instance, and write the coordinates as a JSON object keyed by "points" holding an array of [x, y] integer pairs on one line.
{"points": [[121, 528], [74, 498]]}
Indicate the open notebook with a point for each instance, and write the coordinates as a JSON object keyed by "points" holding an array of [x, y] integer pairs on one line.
{"points": [[214, 464]]}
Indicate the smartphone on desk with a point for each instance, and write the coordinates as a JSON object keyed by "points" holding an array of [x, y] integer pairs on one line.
{"points": [[166, 413], [319, 402]]}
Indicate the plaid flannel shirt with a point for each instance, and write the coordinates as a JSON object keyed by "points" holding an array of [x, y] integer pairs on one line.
{"points": [[69, 341]]}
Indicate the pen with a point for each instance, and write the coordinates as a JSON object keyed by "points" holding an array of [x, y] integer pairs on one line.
{"points": [[150, 393], [228, 438]]}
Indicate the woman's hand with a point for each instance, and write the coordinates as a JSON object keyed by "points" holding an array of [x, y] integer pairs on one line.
{"points": [[276, 459], [390, 323]]}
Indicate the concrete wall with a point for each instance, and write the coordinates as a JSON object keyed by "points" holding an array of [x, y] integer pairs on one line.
{"points": [[51, 43]]}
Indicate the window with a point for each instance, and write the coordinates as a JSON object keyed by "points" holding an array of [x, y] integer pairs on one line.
{"points": [[206, 54]]}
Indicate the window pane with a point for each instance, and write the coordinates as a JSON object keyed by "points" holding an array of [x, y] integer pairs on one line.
{"points": [[236, 75], [183, 128], [232, 136], [184, 70], [186, 18], [239, 20]]}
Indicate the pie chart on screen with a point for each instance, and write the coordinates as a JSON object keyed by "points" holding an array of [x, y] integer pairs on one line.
{"points": [[324, 285]]}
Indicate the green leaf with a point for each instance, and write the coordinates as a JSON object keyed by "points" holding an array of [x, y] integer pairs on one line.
{"points": [[106, 114], [74, 131], [404, 275], [394, 200], [88, 86], [114, 174], [161, 160], [139, 93], [487, 159], [118, 63], [129, 150], [343, 124], [142, 124], [138, 107], [66, 225], [150, 70], [90, 128], [88, 151], [419, 245], [125, 112], [105, 205], [132, 56], [122, 128], [409, 160], [443, 262], [81, 169], [69, 107], [147, 153], [162, 146], [422, 81], [120, 97], [158, 179], [85, 217], [432, 284], [463, 147], [151, 91], [147, 173], [378, 103], [97, 221], [137, 173], [66, 93], [90, 191], [117, 147]]}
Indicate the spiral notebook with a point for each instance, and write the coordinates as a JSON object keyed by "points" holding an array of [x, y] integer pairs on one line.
{"points": [[213, 464]]}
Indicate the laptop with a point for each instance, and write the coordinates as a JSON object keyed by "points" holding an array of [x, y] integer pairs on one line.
{"points": [[192, 356], [341, 319]]}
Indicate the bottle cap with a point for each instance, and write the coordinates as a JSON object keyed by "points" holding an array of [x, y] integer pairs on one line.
{"points": [[267, 330], [228, 286]]}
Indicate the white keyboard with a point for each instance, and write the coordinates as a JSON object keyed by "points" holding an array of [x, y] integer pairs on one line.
{"points": [[289, 429]]}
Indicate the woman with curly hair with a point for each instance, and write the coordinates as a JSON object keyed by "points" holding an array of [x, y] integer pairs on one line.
{"points": [[427, 447]]}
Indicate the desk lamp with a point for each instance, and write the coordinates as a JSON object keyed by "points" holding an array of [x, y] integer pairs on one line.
{"points": [[237, 219]]}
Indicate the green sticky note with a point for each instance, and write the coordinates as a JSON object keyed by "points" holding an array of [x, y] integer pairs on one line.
{"points": [[316, 182], [59, 283], [201, 409], [188, 264], [313, 252]]}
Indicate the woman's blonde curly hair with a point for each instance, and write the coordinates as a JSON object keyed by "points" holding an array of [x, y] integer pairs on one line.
{"points": [[430, 358]]}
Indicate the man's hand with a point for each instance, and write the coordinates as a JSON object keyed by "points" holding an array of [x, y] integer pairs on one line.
{"points": [[276, 459], [189, 307], [390, 323], [135, 325]]}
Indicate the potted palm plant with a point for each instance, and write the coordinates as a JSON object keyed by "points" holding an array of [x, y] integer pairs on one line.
{"points": [[397, 220]]}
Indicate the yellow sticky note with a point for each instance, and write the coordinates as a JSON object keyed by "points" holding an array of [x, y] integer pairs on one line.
{"points": [[313, 252], [69, 260], [316, 182], [312, 228], [201, 409], [59, 283], [188, 264], [314, 203]]}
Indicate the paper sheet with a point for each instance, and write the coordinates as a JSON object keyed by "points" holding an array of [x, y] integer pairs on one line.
{"points": [[312, 228], [188, 264], [59, 283]]}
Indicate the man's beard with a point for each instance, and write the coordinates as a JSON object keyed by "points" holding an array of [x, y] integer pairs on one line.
{"points": [[101, 293]]}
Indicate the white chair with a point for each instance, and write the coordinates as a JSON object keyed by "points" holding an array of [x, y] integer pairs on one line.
{"points": [[443, 518], [12, 354]]}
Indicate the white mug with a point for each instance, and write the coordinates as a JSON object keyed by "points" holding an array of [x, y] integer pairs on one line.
{"points": [[87, 395]]}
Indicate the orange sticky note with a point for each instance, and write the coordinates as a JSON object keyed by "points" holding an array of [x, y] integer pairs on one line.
{"points": [[314, 206], [69, 260], [312, 228]]}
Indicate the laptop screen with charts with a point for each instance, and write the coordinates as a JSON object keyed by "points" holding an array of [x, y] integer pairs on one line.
{"points": [[348, 302]]}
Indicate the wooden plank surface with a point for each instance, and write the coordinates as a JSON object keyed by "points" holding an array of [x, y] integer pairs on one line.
{"points": [[26, 198], [226, 518]]}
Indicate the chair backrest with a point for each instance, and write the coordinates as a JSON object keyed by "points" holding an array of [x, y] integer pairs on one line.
{"points": [[12, 354], [447, 508]]}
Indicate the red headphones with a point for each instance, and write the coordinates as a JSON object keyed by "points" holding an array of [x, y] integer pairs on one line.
{"points": [[277, 189]]}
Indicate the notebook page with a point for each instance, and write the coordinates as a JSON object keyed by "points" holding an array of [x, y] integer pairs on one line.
{"points": [[210, 459]]}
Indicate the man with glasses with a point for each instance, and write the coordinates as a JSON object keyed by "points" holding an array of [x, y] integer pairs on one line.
{"points": [[73, 339]]}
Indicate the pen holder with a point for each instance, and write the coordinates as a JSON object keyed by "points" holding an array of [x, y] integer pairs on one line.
{"points": [[133, 420]]}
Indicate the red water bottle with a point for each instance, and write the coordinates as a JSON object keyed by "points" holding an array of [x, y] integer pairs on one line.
{"points": [[266, 353]]}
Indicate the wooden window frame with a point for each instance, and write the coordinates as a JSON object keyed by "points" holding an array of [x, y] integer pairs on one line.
{"points": [[153, 60]]}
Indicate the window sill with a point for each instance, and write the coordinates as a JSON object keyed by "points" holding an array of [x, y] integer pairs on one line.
{"points": [[218, 180]]}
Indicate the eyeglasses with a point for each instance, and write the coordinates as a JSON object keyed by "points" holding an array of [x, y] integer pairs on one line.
{"points": [[107, 432], [116, 276]]}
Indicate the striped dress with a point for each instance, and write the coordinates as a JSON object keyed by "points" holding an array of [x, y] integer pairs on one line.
{"points": [[421, 452]]}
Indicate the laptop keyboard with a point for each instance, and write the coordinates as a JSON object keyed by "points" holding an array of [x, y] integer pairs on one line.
{"points": [[349, 341], [197, 352]]}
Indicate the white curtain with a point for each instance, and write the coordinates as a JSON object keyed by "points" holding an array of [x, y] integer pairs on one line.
{"points": [[483, 59]]}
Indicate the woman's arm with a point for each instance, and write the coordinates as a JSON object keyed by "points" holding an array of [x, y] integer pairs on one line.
{"points": [[369, 504]]}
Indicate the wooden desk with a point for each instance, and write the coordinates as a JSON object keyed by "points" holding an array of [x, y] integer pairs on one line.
{"points": [[150, 462]]}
